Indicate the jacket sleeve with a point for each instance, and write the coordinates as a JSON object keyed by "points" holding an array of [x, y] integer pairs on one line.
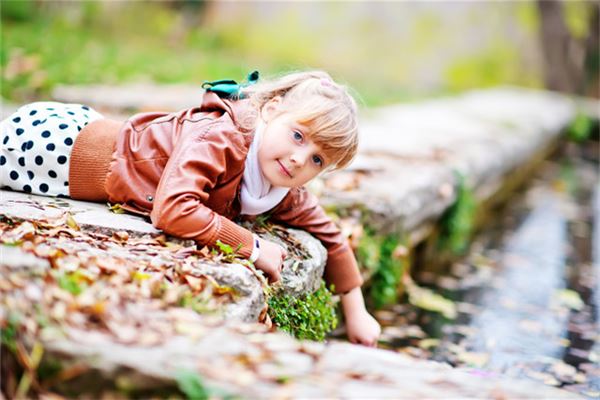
{"points": [[300, 209], [194, 168]]}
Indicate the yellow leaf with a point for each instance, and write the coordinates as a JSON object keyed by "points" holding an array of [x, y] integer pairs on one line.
{"points": [[428, 343], [570, 299], [71, 222], [140, 276], [116, 208], [428, 300]]}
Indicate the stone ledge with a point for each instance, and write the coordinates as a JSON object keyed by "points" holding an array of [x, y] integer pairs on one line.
{"points": [[300, 274], [249, 362], [484, 135]]}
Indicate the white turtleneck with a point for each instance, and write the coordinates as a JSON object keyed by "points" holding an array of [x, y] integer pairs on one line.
{"points": [[257, 194]]}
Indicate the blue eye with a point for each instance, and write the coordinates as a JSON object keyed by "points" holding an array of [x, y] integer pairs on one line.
{"points": [[318, 160], [297, 135]]}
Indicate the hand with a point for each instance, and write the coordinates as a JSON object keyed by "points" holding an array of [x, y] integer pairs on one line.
{"points": [[271, 259], [361, 327]]}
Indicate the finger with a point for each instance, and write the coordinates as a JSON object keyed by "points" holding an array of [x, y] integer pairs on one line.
{"points": [[276, 276], [284, 253]]}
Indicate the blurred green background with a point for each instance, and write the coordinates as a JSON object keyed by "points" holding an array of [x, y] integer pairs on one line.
{"points": [[387, 51]]}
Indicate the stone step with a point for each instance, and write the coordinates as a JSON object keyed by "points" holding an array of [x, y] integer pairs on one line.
{"points": [[405, 174], [301, 274], [248, 362], [151, 349]]}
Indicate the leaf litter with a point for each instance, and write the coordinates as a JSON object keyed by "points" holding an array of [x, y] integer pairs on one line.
{"points": [[137, 291]]}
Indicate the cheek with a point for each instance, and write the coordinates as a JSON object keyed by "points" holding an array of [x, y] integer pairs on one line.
{"points": [[307, 175]]}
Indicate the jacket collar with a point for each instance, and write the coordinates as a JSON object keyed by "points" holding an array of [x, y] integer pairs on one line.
{"points": [[241, 112]]}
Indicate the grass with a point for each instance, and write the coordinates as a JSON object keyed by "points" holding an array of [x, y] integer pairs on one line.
{"points": [[83, 46], [39, 52], [45, 43]]}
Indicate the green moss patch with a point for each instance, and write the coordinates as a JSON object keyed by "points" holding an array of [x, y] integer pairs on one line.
{"points": [[311, 316]]}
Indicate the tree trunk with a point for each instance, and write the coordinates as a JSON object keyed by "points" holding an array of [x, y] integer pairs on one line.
{"points": [[570, 65]]}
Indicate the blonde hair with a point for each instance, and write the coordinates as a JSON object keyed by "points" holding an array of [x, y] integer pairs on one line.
{"points": [[316, 101]]}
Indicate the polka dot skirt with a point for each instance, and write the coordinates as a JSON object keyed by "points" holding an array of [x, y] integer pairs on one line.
{"points": [[36, 145]]}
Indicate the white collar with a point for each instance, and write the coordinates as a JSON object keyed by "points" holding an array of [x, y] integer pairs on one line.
{"points": [[257, 194]]}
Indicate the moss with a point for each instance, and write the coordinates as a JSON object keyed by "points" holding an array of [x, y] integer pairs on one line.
{"points": [[457, 223], [381, 257], [581, 128], [9, 332], [310, 316], [193, 387]]}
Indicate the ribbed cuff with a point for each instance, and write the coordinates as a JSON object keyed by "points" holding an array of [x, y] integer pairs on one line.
{"points": [[234, 235], [342, 270]]}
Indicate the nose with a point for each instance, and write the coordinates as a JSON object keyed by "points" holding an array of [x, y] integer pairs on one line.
{"points": [[298, 158]]}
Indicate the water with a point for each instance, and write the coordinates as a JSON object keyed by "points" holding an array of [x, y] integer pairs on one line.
{"points": [[529, 291]]}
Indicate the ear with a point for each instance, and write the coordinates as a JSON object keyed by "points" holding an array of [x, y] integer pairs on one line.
{"points": [[271, 109]]}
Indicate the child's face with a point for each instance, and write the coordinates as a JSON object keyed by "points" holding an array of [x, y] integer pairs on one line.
{"points": [[287, 157]]}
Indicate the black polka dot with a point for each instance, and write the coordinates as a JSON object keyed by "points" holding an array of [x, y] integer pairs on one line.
{"points": [[70, 113], [39, 160], [68, 141], [24, 146], [17, 119], [66, 183], [30, 145], [62, 159], [21, 161], [63, 126], [52, 174], [50, 147], [46, 134], [14, 175], [30, 174], [50, 108], [27, 189], [55, 115], [5, 140], [43, 188], [20, 131], [33, 112], [36, 122], [2, 160], [78, 128], [85, 107]]}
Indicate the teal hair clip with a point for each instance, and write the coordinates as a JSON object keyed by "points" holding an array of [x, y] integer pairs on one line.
{"points": [[229, 88]]}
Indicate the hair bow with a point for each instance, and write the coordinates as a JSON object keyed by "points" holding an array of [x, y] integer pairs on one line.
{"points": [[229, 88]]}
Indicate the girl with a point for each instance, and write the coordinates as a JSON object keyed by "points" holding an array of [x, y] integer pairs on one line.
{"points": [[194, 171]]}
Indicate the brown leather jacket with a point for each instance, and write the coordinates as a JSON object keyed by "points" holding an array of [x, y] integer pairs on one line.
{"points": [[184, 170]]}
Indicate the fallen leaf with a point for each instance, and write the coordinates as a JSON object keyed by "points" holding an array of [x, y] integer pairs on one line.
{"points": [[570, 299], [71, 222]]}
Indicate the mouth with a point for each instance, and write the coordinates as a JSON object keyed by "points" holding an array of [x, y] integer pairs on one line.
{"points": [[284, 169]]}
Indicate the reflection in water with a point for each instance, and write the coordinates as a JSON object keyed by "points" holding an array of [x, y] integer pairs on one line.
{"points": [[515, 326], [527, 294]]}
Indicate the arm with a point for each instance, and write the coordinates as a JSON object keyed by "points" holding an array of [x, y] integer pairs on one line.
{"points": [[195, 166], [301, 210]]}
